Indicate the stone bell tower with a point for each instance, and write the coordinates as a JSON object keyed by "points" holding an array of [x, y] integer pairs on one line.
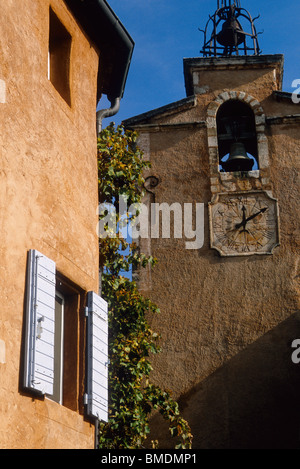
{"points": [[230, 320]]}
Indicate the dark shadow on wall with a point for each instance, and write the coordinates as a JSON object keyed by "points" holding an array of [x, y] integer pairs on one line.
{"points": [[251, 402]]}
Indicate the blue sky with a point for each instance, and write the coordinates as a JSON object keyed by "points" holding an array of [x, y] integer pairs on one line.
{"points": [[166, 31]]}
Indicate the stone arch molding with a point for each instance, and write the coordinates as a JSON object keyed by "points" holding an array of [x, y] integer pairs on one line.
{"points": [[260, 122]]}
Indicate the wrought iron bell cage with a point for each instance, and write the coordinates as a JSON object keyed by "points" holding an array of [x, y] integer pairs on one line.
{"points": [[224, 35]]}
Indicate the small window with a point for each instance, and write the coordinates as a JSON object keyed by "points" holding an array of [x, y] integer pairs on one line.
{"points": [[59, 57]]}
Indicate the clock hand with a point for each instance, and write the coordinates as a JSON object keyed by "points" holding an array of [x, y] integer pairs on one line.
{"points": [[245, 221], [255, 214]]}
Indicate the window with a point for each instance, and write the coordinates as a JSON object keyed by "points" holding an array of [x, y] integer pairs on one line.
{"points": [[53, 346], [59, 57]]}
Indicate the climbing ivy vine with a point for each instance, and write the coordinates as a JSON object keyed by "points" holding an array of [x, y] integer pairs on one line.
{"points": [[132, 396]]}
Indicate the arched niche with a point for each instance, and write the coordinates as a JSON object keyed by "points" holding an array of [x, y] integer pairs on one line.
{"points": [[225, 105]]}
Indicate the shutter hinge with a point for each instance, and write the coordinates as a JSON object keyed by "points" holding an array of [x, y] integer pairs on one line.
{"points": [[85, 399], [86, 311]]}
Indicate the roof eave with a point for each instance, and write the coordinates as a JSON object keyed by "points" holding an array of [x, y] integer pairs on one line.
{"points": [[115, 45], [168, 109]]}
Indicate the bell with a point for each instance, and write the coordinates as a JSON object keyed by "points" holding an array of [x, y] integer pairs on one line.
{"points": [[238, 159], [231, 34]]}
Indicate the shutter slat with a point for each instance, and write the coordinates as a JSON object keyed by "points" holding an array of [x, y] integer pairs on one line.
{"points": [[45, 348], [44, 300], [100, 345], [101, 382], [97, 358], [100, 362], [100, 372], [40, 323], [41, 377]]}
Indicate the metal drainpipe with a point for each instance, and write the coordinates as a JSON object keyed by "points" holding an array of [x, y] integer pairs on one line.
{"points": [[115, 106]]}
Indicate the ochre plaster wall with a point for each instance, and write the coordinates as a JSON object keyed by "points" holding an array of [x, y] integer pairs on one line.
{"points": [[227, 324], [48, 202]]}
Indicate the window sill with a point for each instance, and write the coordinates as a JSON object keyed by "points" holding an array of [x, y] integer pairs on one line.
{"points": [[239, 175]]}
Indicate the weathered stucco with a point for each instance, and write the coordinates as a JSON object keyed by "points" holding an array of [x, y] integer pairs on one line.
{"points": [[48, 201], [227, 324]]}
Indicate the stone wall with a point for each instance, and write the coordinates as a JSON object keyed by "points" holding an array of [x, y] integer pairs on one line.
{"points": [[48, 202], [227, 324]]}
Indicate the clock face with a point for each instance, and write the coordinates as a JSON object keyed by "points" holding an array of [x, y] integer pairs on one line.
{"points": [[244, 224]]}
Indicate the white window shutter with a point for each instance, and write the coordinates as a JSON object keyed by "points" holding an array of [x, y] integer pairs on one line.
{"points": [[40, 322], [97, 357]]}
